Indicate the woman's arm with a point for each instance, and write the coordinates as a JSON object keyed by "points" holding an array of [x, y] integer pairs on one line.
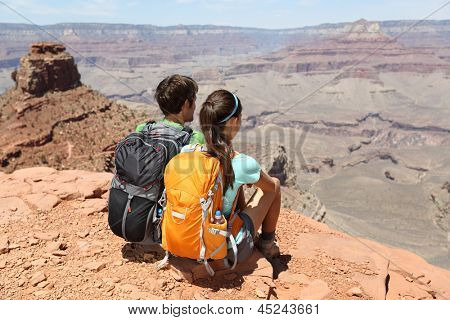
{"points": [[241, 203], [266, 183]]}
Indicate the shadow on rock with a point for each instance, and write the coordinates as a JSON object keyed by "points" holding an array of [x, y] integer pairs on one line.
{"points": [[280, 264], [139, 253]]}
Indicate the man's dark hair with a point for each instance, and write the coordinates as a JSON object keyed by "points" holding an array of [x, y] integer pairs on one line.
{"points": [[173, 91]]}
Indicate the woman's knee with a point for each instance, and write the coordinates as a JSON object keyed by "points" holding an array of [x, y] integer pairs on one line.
{"points": [[277, 186]]}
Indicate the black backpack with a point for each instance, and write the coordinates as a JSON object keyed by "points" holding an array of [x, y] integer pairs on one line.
{"points": [[137, 186]]}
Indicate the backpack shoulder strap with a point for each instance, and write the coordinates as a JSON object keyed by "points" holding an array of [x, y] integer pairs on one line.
{"points": [[148, 127], [187, 135], [188, 130]]}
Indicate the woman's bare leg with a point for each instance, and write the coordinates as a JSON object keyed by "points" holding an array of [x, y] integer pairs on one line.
{"points": [[264, 209]]}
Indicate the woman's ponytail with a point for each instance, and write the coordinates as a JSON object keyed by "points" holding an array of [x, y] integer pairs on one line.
{"points": [[216, 107]]}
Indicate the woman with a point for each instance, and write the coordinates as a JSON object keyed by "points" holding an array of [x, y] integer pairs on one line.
{"points": [[220, 120]]}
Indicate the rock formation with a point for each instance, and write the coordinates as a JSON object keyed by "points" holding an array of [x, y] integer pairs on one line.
{"points": [[47, 67], [363, 30], [50, 118], [56, 245]]}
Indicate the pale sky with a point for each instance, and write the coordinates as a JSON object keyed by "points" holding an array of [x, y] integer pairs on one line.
{"points": [[270, 14]]}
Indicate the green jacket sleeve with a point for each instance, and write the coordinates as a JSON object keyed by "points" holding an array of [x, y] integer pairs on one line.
{"points": [[140, 127], [197, 137]]}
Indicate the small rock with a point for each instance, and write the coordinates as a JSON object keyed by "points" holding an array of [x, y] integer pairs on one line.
{"points": [[59, 253], [33, 241], [128, 288], [332, 270], [110, 287], [293, 278], [42, 284], [40, 293], [95, 266], [316, 290], [13, 209], [4, 245], [409, 279], [355, 291], [21, 282], [2, 264], [13, 246], [136, 295], [27, 265], [118, 263], [39, 262], [198, 296], [46, 236], [107, 280], [176, 275], [53, 246], [37, 278], [55, 261], [344, 269], [83, 234], [260, 294], [161, 283], [116, 280]]}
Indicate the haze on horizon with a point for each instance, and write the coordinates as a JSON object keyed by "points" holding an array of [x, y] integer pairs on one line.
{"points": [[268, 14]]}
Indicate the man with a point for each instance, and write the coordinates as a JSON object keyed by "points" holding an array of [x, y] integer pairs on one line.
{"points": [[176, 97], [137, 187]]}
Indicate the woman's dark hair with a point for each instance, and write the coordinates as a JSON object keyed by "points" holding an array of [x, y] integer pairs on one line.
{"points": [[173, 91], [219, 106]]}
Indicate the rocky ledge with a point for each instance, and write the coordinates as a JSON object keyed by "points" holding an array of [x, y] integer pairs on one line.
{"points": [[56, 245]]}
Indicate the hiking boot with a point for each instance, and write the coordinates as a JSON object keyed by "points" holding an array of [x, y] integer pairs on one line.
{"points": [[269, 248]]}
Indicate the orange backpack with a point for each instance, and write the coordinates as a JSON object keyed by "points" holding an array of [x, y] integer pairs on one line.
{"points": [[193, 182]]}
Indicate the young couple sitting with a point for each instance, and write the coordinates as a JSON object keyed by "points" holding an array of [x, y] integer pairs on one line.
{"points": [[220, 121]]}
